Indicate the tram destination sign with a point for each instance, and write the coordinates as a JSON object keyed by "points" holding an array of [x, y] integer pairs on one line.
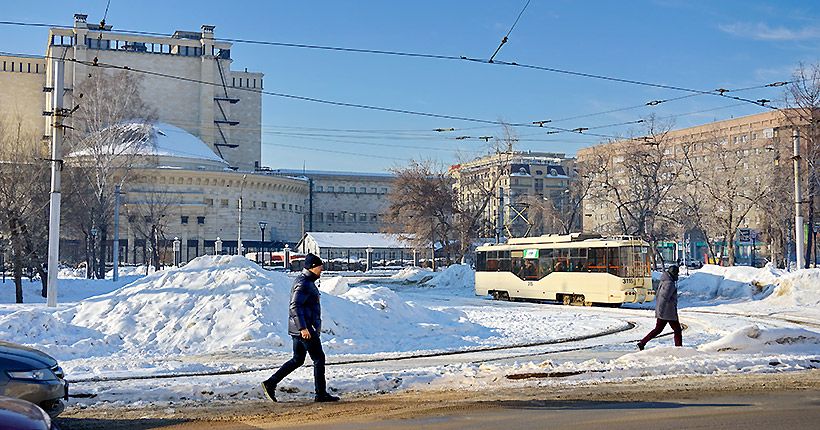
{"points": [[531, 253]]}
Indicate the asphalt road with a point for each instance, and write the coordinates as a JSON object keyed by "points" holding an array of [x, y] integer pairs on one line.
{"points": [[782, 409]]}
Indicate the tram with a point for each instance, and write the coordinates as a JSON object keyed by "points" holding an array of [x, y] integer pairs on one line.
{"points": [[574, 269]]}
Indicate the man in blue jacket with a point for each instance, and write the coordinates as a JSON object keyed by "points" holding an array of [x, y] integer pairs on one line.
{"points": [[304, 326]]}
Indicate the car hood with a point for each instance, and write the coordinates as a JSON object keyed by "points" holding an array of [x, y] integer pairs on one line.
{"points": [[20, 358]]}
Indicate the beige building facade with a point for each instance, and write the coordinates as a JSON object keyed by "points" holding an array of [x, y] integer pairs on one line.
{"points": [[344, 202], [514, 181]]}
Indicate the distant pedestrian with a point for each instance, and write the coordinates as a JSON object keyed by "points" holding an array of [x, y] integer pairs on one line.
{"points": [[304, 326], [666, 308]]}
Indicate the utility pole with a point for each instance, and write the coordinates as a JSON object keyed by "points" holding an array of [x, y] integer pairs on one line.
{"points": [[116, 276], [56, 185], [239, 236], [500, 227], [798, 198]]}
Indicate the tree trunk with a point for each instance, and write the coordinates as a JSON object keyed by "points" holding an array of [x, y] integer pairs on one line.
{"points": [[17, 271], [730, 247], [101, 256], [810, 219]]}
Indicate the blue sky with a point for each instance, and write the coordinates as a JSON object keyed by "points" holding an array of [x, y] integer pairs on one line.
{"points": [[695, 44]]}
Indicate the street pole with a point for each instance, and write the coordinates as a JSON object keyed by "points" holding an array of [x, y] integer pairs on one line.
{"points": [[56, 182], [433, 245], [239, 235], [116, 276], [798, 198]]}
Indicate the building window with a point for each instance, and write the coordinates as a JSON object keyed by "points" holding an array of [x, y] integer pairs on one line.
{"points": [[320, 217], [362, 217], [274, 205], [374, 217], [184, 219], [223, 203], [341, 189], [373, 190], [264, 205], [330, 188], [362, 190], [200, 220], [290, 207], [384, 190], [319, 189]]}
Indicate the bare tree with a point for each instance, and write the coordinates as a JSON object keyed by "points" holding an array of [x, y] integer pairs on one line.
{"points": [[723, 188], [422, 204], [637, 178], [803, 95], [148, 212], [112, 130], [23, 199]]}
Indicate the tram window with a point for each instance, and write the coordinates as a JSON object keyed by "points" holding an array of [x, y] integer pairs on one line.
{"points": [[492, 261], [577, 260], [561, 260], [597, 260], [480, 261], [517, 265], [546, 253], [528, 270], [545, 264], [614, 261], [504, 261]]}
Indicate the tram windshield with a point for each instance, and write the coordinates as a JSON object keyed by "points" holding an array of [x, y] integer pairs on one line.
{"points": [[631, 261]]}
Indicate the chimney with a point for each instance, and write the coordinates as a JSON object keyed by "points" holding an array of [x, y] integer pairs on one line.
{"points": [[208, 31], [79, 19]]}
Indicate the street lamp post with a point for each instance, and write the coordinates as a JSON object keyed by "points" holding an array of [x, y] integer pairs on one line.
{"points": [[177, 252], [415, 258], [239, 235], [262, 225], [93, 264], [218, 246], [3, 257], [286, 257]]}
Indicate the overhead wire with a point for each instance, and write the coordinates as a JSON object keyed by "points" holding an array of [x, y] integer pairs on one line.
{"points": [[717, 92], [506, 36]]}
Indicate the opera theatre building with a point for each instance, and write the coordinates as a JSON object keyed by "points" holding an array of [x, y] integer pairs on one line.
{"points": [[200, 153]]}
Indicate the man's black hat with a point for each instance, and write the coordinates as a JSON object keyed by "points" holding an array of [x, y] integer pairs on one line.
{"points": [[312, 261]]}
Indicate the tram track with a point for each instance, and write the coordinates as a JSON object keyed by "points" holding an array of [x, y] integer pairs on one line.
{"points": [[630, 325]]}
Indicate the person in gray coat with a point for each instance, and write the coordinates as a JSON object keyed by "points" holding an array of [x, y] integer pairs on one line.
{"points": [[666, 308]]}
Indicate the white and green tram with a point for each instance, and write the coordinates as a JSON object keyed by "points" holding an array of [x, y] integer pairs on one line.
{"points": [[577, 269]]}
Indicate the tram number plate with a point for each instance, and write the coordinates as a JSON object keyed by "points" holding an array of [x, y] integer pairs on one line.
{"points": [[529, 283], [629, 280]]}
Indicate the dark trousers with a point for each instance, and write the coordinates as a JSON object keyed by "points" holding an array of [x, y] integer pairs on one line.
{"points": [[301, 347], [659, 325]]}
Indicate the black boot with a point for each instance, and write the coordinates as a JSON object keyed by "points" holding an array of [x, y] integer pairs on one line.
{"points": [[326, 397], [269, 389]]}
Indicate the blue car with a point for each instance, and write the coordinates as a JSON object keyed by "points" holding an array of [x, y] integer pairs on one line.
{"points": [[16, 414]]}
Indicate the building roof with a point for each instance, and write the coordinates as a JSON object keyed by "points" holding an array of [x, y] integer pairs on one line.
{"points": [[308, 173], [166, 141], [357, 240]]}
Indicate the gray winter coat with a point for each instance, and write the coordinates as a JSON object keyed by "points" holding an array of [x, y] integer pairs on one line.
{"points": [[666, 298]]}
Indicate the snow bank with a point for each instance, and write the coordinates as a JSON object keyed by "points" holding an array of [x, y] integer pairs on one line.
{"points": [[754, 339], [716, 283], [801, 288], [53, 335], [336, 286], [227, 303], [414, 274]]}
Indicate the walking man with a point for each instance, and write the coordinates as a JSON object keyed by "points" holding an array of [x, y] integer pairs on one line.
{"points": [[666, 308], [304, 326]]}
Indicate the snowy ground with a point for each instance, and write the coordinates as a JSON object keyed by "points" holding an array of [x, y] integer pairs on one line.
{"points": [[226, 319]]}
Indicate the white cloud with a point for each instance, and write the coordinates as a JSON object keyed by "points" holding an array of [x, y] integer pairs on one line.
{"points": [[762, 31]]}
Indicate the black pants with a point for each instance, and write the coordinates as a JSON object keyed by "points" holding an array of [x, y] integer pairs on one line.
{"points": [[301, 347], [659, 325]]}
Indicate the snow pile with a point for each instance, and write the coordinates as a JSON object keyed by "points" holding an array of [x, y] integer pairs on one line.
{"points": [[458, 277], [336, 285], [801, 288], [227, 303], [754, 339], [55, 336], [736, 283], [414, 275]]}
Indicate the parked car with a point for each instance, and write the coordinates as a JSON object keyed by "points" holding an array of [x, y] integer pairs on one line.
{"points": [[16, 414], [694, 264], [34, 376]]}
